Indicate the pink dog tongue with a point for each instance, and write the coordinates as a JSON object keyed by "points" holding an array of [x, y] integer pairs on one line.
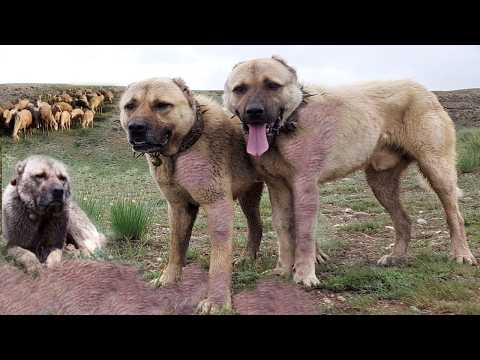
{"points": [[257, 142]]}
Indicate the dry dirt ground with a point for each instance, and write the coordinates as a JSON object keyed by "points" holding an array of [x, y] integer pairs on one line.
{"points": [[352, 228]]}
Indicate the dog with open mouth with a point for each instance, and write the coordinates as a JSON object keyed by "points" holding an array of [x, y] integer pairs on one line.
{"points": [[197, 156], [300, 136]]}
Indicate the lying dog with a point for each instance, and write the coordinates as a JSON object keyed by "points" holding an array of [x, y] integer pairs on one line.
{"points": [[300, 137], [198, 158], [38, 215]]}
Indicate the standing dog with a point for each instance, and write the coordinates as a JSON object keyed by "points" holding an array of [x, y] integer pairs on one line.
{"points": [[38, 215], [197, 156], [300, 137]]}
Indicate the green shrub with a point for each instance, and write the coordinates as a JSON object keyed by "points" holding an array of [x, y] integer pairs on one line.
{"points": [[468, 148], [130, 220]]}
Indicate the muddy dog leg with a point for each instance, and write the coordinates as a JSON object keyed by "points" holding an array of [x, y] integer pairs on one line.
{"points": [[305, 204], [385, 185], [442, 176], [220, 228], [283, 223], [25, 258], [181, 217], [250, 204]]}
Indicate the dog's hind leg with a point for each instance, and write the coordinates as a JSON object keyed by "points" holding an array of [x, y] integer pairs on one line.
{"points": [[181, 217], [385, 185], [250, 204], [442, 175], [283, 223]]}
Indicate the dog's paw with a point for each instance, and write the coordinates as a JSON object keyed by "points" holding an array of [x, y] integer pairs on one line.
{"points": [[54, 258], [463, 257], [33, 267], [305, 277], [208, 307], [280, 270], [321, 257], [391, 260], [170, 275]]}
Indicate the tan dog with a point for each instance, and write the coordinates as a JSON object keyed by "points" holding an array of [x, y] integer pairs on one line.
{"points": [[300, 137], [197, 156]]}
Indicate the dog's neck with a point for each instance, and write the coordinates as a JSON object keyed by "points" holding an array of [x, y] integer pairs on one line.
{"points": [[290, 123], [188, 140]]}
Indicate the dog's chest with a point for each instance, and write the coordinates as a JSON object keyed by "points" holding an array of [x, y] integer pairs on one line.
{"points": [[192, 175]]}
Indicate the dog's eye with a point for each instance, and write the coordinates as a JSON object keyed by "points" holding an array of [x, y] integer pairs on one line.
{"points": [[130, 105], [271, 85], [41, 176], [160, 105], [62, 178], [240, 89]]}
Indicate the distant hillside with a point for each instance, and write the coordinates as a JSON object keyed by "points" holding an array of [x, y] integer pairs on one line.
{"points": [[462, 105]]}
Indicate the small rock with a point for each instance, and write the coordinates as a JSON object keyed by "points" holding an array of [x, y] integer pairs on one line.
{"points": [[361, 213], [422, 221], [389, 228], [158, 259], [327, 301], [348, 211], [341, 298], [388, 247], [420, 212]]}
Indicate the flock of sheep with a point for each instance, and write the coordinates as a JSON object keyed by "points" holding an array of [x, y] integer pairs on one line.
{"points": [[61, 111]]}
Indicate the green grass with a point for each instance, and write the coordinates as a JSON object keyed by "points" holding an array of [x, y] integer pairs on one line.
{"points": [[429, 281], [92, 208], [468, 146], [130, 220], [366, 227]]}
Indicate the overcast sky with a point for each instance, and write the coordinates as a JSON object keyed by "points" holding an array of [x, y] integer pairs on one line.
{"points": [[206, 67]]}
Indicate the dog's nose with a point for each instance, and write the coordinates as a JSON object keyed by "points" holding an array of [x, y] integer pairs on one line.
{"points": [[137, 127], [255, 110], [57, 193]]}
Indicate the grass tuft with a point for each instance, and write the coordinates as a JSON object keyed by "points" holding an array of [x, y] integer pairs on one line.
{"points": [[468, 146], [130, 220]]}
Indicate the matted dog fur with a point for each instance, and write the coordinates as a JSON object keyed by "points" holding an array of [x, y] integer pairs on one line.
{"points": [[104, 288]]}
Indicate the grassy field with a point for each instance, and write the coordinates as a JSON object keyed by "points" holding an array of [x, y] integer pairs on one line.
{"points": [[353, 228]]}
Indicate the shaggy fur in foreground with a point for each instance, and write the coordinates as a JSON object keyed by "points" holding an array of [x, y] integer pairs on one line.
{"points": [[94, 288]]}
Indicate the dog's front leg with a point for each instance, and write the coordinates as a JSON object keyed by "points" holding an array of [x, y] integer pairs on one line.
{"points": [[305, 202], [181, 217], [25, 258], [220, 228]]}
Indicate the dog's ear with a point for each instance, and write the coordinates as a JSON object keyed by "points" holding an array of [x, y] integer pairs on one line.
{"points": [[19, 169], [284, 63], [241, 62], [185, 89]]}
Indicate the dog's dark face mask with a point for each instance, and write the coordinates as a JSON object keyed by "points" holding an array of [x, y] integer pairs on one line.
{"points": [[156, 115], [262, 93], [44, 188]]}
